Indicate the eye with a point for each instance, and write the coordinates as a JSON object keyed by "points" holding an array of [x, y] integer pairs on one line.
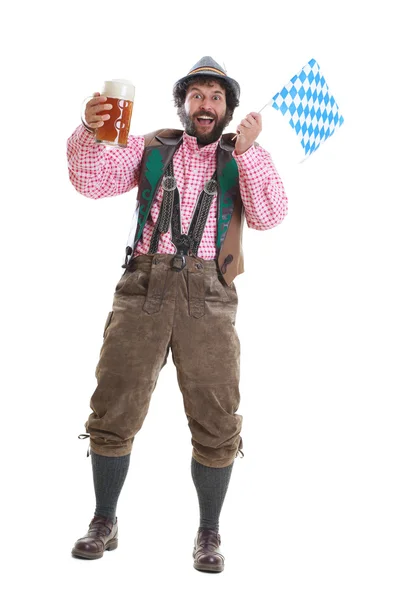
{"points": [[217, 97], [197, 95]]}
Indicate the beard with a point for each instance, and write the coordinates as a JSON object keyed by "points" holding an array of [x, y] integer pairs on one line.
{"points": [[190, 125]]}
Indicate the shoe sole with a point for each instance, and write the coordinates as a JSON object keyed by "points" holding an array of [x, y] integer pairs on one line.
{"points": [[111, 545], [210, 569]]}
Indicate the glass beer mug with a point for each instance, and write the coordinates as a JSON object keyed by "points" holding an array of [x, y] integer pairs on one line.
{"points": [[120, 94]]}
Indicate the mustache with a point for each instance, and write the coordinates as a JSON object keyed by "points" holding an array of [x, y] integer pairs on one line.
{"points": [[202, 113]]}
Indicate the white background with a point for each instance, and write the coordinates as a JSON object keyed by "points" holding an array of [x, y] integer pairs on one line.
{"points": [[312, 510]]}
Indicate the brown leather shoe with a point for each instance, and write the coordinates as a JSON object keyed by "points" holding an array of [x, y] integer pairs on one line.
{"points": [[102, 535], [205, 551]]}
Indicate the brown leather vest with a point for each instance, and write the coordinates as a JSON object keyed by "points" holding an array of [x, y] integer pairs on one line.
{"points": [[160, 147]]}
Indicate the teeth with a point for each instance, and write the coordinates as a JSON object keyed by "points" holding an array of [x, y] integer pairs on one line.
{"points": [[208, 118]]}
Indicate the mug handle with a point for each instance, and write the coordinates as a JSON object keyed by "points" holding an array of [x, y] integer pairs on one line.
{"points": [[83, 107]]}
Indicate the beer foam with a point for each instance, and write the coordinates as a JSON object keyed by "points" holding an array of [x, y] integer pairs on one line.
{"points": [[119, 88]]}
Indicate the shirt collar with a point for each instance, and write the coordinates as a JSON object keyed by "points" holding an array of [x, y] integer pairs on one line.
{"points": [[190, 143]]}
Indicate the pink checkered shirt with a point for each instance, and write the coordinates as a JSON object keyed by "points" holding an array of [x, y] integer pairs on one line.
{"points": [[99, 171]]}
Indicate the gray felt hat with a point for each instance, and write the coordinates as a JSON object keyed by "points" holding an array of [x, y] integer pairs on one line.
{"points": [[208, 67]]}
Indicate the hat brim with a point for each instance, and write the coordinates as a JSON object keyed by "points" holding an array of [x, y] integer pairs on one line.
{"points": [[211, 74]]}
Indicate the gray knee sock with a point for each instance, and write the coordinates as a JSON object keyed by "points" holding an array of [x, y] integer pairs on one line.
{"points": [[211, 484], [109, 474]]}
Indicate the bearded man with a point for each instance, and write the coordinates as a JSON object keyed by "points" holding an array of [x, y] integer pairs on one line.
{"points": [[177, 292]]}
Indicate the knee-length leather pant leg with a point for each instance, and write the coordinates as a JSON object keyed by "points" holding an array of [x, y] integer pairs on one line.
{"points": [[206, 352], [135, 348]]}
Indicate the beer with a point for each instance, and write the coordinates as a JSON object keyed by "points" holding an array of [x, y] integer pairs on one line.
{"points": [[120, 94]]}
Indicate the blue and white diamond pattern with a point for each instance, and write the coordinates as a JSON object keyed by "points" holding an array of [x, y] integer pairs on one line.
{"points": [[309, 106]]}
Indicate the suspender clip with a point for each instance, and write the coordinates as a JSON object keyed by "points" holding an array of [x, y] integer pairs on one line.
{"points": [[178, 262]]}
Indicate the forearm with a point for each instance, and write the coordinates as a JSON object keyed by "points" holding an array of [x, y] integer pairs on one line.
{"points": [[97, 170], [263, 195]]}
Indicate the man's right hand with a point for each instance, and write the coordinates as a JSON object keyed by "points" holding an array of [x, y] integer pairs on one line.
{"points": [[94, 106]]}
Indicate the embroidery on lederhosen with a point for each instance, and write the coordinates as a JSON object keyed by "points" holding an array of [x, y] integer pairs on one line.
{"points": [[154, 168], [229, 179]]}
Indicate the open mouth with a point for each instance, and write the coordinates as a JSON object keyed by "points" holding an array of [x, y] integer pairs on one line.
{"points": [[205, 121]]}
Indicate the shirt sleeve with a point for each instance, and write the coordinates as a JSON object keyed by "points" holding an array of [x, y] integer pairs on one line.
{"points": [[97, 170], [263, 195]]}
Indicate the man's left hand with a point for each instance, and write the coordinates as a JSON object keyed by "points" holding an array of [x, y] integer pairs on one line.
{"points": [[248, 131]]}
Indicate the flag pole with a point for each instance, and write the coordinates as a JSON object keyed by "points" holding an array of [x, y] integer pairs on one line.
{"points": [[268, 104]]}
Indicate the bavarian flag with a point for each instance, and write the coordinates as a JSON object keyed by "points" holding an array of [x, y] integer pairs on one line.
{"points": [[309, 106]]}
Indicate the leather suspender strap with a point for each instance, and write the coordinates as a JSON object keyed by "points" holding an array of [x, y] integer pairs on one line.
{"points": [[200, 216], [170, 212], [164, 218]]}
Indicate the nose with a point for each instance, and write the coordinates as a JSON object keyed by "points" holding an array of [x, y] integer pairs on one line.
{"points": [[207, 106]]}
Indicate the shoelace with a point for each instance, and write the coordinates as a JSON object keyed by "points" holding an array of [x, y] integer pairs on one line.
{"points": [[209, 539], [99, 528]]}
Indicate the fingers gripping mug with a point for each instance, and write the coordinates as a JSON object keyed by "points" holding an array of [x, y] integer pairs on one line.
{"points": [[120, 94]]}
